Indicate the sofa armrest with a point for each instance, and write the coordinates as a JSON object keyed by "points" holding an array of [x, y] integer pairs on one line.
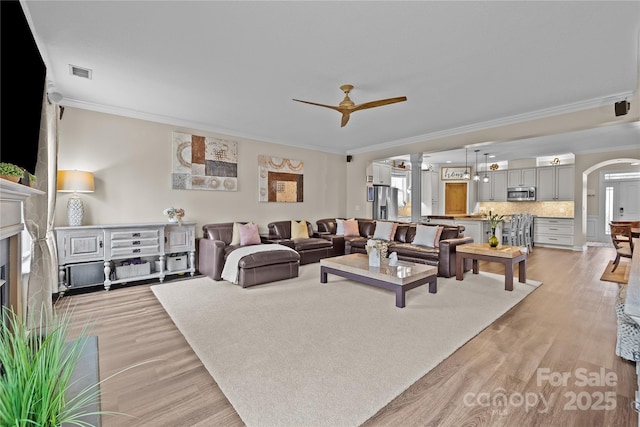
{"points": [[447, 256], [211, 258]]}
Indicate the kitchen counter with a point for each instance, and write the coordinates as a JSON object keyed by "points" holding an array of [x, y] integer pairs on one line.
{"points": [[481, 218]]}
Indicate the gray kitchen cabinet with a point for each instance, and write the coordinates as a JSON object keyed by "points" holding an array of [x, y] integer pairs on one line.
{"points": [[496, 189], [521, 177], [555, 183]]}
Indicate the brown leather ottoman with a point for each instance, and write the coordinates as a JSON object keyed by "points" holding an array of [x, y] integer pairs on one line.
{"points": [[266, 267]]}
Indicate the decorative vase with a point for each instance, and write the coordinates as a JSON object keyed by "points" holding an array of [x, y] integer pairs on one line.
{"points": [[374, 257], [493, 241], [173, 219]]}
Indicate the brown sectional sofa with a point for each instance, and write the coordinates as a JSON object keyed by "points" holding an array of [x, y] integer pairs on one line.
{"points": [[444, 256], [254, 269], [311, 249]]}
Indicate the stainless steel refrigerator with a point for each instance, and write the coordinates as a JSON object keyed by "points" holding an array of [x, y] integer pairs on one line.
{"points": [[385, 202]]}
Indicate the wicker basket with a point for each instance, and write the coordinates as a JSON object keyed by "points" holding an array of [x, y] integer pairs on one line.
{"points": [[133, 270]]}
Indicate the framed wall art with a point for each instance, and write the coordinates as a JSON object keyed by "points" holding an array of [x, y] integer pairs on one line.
{"points": [[280, 180], [204, 163]]}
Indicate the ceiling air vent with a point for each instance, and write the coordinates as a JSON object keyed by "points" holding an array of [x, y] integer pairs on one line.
{"points": [[85, 73]]}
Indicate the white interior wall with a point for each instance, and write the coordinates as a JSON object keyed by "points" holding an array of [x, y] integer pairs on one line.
{"points": [[131, 161]]}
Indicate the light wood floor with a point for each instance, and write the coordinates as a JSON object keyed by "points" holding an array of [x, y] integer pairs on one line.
{"points": [[566, 324]]}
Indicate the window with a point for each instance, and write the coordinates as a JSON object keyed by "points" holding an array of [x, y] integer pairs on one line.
{"points": [[614, 176], [608, 208], [400, 182]]}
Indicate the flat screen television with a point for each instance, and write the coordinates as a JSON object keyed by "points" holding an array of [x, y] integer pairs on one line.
{"points": [[22, 83]]}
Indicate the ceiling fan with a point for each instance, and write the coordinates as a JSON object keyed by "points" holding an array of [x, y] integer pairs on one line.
{"points": [[346, 107]]}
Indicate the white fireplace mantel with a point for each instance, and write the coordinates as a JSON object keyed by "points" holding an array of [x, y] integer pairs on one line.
{"points": [[12, 197]]}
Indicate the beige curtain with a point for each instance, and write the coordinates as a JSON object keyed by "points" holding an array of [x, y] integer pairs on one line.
{"points": [[39, 213]]}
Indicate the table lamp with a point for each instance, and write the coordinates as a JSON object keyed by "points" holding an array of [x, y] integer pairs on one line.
{"points": [[75, 182]]}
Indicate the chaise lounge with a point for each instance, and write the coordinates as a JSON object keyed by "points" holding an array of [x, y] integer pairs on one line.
{"points": [[266, 266]]}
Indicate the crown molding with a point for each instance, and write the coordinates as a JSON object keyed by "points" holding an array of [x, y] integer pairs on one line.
{"points": [[173, 121]]}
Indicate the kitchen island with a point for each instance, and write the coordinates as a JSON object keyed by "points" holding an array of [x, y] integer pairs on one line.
{"points": [[475, 226]]}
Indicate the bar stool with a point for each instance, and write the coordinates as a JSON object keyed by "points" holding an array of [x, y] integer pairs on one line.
{"points": [[510, 231], [524, 232]]}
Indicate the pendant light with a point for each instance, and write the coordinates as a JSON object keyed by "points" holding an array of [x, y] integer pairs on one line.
{"points": [[486, 167], [476, 177], [466, 167]]}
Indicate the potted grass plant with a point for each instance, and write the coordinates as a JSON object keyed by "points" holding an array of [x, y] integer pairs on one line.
{"points": [[36, 369], [11, 172]]}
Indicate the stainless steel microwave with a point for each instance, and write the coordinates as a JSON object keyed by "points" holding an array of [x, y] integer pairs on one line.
{"points": [[521, 194]]}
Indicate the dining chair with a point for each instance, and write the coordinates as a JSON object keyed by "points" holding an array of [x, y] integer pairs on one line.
{"points": [[622, 242], [633, 224]]}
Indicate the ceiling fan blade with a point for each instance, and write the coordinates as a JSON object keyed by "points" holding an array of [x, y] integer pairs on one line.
{"points": [[320, 105], [378, 103], [345, 118]]}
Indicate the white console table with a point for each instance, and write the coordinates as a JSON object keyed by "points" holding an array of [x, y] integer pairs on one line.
{"points": [[83, 246]]}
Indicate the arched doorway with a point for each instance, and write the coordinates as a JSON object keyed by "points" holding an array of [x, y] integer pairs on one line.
{"points": [[607, 187]]}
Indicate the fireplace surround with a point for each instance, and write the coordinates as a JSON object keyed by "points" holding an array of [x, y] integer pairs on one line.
{"points": [[12, 197]]}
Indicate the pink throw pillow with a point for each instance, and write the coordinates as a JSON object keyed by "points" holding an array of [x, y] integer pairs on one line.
{"points": [[351, 228], [249, 234], [438, 233]]}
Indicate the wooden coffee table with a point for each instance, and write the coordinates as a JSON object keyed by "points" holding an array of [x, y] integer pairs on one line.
{"points": [[400, 278], [507, 255]]}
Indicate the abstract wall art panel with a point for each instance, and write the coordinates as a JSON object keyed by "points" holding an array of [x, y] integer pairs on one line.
{"points": [[204, 163], [280, 180]]}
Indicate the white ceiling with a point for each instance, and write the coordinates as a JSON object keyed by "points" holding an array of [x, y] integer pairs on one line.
{"points": [[234, 67]]}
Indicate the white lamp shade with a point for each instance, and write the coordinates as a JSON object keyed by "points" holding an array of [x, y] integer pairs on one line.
{"points": [[75, 181]]}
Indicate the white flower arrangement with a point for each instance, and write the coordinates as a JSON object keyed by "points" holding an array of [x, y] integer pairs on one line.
{"points": [[381, 245], [174, 213]]}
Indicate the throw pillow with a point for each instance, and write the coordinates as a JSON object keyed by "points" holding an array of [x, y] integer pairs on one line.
{"points": [[351, 228], [385, 230], [340, 227], [438, 234], [427, 235], [299, 230], [235, 237], [249, 234]]}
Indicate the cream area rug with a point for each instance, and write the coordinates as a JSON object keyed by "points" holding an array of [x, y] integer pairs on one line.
{"points": [[301, 353]]}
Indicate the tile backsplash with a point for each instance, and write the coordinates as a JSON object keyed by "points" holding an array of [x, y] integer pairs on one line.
{"points": [[555, 209]]}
